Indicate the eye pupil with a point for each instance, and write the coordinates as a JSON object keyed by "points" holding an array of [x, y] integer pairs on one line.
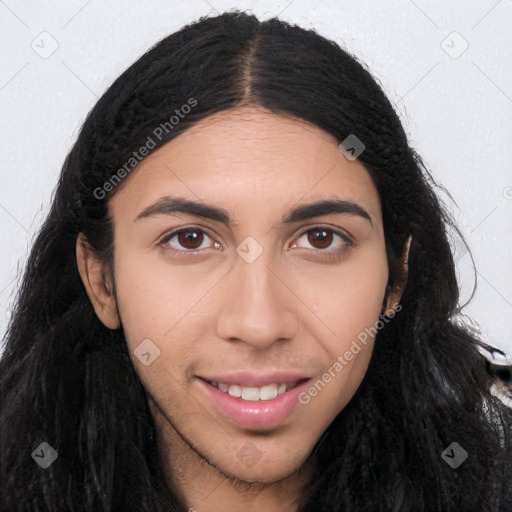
{"points": [[324, 238], [190, 236]]}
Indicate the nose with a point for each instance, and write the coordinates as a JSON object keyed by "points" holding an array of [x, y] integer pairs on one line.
{"points": [[256, 305]]}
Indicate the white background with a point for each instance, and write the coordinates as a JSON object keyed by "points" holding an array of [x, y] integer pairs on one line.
{"points": [[457, 111]]}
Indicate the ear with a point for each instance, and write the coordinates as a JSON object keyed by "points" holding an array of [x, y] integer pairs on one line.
{"points": [[395, 293], [98, 283]]}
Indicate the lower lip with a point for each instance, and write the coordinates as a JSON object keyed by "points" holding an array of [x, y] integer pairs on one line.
{"points": [[263, 413]]}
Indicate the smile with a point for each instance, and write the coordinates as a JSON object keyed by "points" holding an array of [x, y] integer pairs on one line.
{"points": [[253, 393], [264, 406]]}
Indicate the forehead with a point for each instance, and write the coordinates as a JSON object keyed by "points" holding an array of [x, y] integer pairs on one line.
{"points": [[248, 158]]}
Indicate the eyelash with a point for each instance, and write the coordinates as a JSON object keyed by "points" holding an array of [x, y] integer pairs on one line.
{"points": [[331, 255]]}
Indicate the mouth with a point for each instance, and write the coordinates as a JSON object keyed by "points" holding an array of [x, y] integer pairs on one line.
{"points": [[264, 406], [256, 393]]}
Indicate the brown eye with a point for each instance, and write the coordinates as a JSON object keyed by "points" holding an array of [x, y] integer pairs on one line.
{"points": [[186, 240], [320, 238], [325, 242], [190, 238]]}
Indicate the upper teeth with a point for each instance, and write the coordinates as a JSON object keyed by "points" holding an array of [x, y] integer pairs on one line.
{"points": [[267, 392]]}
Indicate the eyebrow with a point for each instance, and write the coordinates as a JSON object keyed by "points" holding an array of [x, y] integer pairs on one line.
{"points": [[179, 205]]}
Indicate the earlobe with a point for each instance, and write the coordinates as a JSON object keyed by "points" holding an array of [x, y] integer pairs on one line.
{"points": [[97, 282], [394, 294]]}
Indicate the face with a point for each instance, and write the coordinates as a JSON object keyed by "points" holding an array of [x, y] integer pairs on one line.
{"points": [[229, 282]]}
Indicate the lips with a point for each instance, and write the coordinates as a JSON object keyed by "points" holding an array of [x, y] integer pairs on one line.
{"points": [[254, 401]]}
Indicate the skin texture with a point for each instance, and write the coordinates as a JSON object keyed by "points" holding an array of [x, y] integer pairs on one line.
{"points": [[212, 312]]}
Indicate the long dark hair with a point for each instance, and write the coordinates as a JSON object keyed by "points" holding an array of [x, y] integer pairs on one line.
{"points": [[67, 380]]}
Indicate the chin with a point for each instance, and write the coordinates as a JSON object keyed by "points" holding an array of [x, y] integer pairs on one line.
{"points": [[263, 475], [264, 469]]}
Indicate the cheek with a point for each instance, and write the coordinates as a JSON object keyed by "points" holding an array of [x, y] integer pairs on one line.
{"points": [[153, 298], [163, 312], [347, 304], [347, 352], [347, 298]]}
